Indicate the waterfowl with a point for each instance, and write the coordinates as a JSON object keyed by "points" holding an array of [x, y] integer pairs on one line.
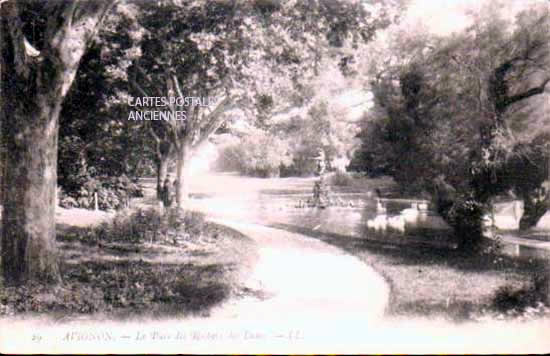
{"points": [[397, 223], [381, 209], [410, 214], [380, 222]]}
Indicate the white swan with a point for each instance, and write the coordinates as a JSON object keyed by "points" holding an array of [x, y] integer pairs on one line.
{"points": [[370, 223], [379, 223], [397, 223], [410, 214]]}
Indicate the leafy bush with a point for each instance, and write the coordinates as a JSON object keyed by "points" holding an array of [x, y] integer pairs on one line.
{"points": [[533, 297], [258, 155], [129, 226], [302, 164], [191, 222], [341, 179], [493, 248], [144, 225], [112, 193], [509, 299]]}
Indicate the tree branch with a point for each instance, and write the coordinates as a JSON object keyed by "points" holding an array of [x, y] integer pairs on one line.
{"points": [[67, 40], [526, 94], [215, 120], [18, 40], [173, 124], [177, 86], [138, 87], [146, 77]]}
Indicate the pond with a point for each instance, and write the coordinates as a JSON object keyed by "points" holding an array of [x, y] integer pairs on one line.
{"points": [[281, 203], [276, 202]]}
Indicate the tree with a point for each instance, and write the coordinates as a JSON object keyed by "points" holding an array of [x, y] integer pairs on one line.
{"points": [[238, 53], [449, 115], [42, 44], [258, 154], [95, 145]]}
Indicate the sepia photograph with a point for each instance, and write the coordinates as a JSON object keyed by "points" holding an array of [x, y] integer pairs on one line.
{"points": [[275, 176]]}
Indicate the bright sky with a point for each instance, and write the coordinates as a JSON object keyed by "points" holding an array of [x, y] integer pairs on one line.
{"points": [[443, 17], [440, 16]]}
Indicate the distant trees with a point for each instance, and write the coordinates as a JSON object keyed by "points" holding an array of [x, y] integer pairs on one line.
{"points": [[453, 119], [257, 154], [288, 146]]}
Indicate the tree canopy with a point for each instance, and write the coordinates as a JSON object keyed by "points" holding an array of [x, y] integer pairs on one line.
{"points": [[253, 58], [453, 113]]}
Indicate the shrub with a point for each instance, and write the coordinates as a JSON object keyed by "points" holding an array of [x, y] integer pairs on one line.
{"points": [[341, 179], [128, 226], [257, 155], [65, 200], [510, 300], [112, 193], [150, 225]]}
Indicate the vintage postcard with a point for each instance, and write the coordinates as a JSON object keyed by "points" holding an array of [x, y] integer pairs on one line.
{"points": [[275, 176]]}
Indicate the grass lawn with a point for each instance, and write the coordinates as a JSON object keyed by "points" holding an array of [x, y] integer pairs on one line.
{"points": [[426, 281], [110, 278]]}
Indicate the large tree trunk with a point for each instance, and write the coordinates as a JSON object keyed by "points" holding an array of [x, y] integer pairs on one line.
{"points": [[34, 84], [28, 241], [182, 175], [162, 172]]}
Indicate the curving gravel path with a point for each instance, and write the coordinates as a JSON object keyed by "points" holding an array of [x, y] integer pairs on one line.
{"points": [[299, 279]]}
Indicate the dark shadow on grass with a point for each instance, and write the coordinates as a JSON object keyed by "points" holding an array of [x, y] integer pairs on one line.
{"points": [[419, 253], [458, 311], [130, 289], [139, 288], [69, 233]]}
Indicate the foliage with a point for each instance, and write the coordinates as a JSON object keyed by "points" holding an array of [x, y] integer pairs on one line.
{"points": [[306, 137], [98, 150], [149, 225], [516, 301], [341, 179], [258, 155], [296, 141], [114, 269], [252, 58], [452, 117], [525, 172], [97, 142], [112, 192]]}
